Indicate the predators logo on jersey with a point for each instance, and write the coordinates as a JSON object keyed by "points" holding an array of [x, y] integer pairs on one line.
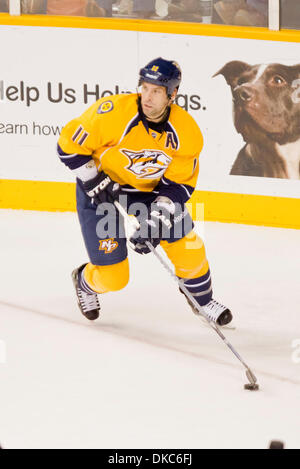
{"points": [[147, 164]]}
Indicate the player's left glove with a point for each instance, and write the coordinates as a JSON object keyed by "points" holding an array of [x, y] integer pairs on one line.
{"points": [[155, 227], [102, 188]]}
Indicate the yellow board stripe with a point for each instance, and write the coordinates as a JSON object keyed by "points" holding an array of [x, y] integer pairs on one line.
{"points": [[157, 26], [249, 209], [37, 195], [218, 206]]}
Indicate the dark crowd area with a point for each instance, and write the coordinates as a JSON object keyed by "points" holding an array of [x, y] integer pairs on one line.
{"points": [[229, 12]]}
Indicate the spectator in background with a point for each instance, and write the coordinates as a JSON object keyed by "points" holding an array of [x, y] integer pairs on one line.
{"points": [[178, 10], [124, 7], [67, 7], [290, 14], [241, 12], [4, 8], [144, 8], [184, 10], [254, 14]]}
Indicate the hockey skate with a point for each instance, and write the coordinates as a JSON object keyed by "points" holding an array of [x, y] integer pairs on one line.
{"points": [[214, 311], [88, 302], [217, 312]]}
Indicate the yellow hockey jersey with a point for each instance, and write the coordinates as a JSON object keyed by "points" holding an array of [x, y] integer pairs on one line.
{"points": [[116, 135]]}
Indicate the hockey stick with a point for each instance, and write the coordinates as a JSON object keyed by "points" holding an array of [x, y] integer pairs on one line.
{"points": [[250, 375]]}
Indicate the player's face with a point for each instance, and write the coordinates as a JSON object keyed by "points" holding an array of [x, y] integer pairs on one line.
{"points": [[154, 100]]}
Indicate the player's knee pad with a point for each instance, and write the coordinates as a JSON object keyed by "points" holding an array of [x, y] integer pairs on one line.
{"points": [[188, 256], [107, 278]]}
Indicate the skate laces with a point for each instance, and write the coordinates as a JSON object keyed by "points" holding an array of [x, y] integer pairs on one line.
{"points": [[213, 309], [88, 301]]}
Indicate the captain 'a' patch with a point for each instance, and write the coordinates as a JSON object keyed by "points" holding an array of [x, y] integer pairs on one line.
{"points": [[147, 164], [170, 141]]}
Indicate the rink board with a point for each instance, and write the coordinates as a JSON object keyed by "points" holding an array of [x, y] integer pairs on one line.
{"points": [[39, 97], [214, 206]]}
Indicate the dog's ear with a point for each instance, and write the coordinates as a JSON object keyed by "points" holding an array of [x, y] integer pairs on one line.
{"points": [[296, 68], [232, 70]]}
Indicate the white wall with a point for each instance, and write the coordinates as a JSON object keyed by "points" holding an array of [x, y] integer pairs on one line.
{"points": [[35, 58]]}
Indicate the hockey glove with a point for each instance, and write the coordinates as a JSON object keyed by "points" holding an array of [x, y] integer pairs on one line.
{"points": [[155, 227], [102, 189]]}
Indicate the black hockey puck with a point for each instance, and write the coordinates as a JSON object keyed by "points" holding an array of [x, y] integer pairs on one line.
{"points": [[276, 444], [251, 387]]}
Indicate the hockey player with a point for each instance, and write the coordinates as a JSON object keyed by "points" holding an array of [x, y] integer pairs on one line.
{"points": [[144, 149]]}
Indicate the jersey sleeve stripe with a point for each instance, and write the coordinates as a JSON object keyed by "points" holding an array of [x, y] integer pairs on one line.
{"points": [[77, 133], [186, 190], [176, 192], [74, 160]]}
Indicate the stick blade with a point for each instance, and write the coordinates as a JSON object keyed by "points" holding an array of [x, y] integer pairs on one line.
{"points": [[251, 386]]}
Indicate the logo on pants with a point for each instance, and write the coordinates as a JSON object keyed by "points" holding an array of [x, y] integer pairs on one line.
{"points": [[108, 245]]}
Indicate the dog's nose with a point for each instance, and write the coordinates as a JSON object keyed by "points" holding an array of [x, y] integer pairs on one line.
{"points": [[245, 93]]}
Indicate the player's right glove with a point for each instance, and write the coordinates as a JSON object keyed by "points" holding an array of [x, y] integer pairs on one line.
{"points": [[155, 227], [102, 189]]}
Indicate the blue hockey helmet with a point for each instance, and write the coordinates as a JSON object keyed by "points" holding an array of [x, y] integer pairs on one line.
{"points": [[162, 72]]}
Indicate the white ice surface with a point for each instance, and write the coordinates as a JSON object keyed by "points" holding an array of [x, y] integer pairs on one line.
{"points": [[147, 374]]}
